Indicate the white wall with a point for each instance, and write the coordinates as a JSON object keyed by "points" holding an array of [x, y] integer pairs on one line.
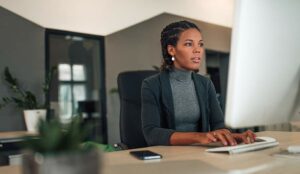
{"points": [[103, 17]]}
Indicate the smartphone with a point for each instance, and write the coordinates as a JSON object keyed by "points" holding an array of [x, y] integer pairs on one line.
{"points": [[145, 154]]}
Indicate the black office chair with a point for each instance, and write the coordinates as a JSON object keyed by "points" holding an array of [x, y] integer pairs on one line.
{"points": [[129, 86]]}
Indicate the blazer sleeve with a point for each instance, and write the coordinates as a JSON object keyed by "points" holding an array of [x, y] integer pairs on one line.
{"points": [[216, 114], [151, 119]]}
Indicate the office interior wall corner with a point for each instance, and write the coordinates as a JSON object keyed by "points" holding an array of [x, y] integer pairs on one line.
{"points": [[22, 50]]}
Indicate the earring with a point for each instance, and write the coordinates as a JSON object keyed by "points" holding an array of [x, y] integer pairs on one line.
{"points": [[173, 58]]}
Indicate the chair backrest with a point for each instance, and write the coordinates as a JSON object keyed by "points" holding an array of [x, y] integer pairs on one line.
{"points": [[129, 86]]}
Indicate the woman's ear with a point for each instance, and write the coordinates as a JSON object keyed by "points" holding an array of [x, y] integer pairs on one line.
{"points": [[171, 50]]}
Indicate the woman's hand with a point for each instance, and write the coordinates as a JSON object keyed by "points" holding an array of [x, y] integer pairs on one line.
{"points": [[247, 136], [221, 135], [224, 136], [227, 138]]}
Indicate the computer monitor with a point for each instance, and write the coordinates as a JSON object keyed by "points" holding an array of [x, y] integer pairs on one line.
{"points": [[264, 70]]}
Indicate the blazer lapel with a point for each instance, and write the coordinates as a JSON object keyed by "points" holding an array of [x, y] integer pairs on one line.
{"points": [[201, 95], [167, 98]]}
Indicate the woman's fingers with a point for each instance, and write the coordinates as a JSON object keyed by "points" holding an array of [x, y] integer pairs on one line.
{"points": [[211, 136], [230, 139], [222, 139], [242, 137], [250, 135], [225, 137], [247, 137]]}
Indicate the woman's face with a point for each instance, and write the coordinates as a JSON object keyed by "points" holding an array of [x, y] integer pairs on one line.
{"points": [[189, 50]]}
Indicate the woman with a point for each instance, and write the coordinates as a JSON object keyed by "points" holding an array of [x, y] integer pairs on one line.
{"points": [[179, 107]]}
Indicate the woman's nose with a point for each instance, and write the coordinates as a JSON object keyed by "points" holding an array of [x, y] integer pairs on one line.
{"points": [[198, 49]]}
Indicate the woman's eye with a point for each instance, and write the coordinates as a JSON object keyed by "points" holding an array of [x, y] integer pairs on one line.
{"points": [[188, 44], [201, 44]]}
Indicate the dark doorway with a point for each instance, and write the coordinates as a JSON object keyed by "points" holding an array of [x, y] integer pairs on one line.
{"points": [[217, 69], [80, 78]]}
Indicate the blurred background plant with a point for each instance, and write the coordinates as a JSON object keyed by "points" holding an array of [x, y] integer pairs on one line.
{"points": [[55, 136], [23, 98], [58, 148]]}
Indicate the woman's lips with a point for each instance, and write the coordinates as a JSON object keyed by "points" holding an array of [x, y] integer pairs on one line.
{"points": [[196, 59]]}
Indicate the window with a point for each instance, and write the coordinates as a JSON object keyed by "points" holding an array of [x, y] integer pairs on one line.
{"points": [[72, 88]]}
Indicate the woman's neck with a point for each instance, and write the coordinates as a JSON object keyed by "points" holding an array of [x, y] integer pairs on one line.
{"points": [[181, 75]]}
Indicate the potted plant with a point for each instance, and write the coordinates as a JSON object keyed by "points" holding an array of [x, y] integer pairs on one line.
{"points": [[26, 100], [58, 149]]}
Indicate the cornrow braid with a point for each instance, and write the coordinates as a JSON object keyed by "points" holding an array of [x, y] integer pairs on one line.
{"points": [[169, 36]]}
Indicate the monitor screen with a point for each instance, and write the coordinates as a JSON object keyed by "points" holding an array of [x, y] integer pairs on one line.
{"points": [[264, 70]]}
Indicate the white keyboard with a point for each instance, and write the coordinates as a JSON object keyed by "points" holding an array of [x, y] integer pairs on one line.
{"points": [[262, 143]]}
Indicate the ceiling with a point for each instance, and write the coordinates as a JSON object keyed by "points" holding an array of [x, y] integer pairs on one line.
{"points": [[103, 17]]}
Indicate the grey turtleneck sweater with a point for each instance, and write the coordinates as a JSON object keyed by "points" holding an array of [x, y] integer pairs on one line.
{"points": [[186, 106]]}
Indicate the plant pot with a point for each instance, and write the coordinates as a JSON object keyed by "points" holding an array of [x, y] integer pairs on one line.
{"points": [[32, 117], [62, 163]]}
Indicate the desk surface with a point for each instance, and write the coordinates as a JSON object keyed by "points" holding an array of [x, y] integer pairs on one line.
{"points": [[16, 134], [194, 159]]}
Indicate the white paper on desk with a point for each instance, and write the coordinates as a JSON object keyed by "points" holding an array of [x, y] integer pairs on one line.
{"points": [[267, 142]]}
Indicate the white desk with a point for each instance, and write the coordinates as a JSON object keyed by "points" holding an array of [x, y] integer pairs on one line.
{"points": [[194, 159]]}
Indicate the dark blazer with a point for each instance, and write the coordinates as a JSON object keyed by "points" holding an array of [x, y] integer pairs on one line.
{"points": [[158, 121]]}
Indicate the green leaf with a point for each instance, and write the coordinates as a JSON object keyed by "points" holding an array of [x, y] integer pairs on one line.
{"points": [[20, 103], [48, 83], [8, 77], [6, 101], [31, 100]]}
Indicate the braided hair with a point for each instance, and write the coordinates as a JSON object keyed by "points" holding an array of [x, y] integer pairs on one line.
{"points": [[169, 36]]}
